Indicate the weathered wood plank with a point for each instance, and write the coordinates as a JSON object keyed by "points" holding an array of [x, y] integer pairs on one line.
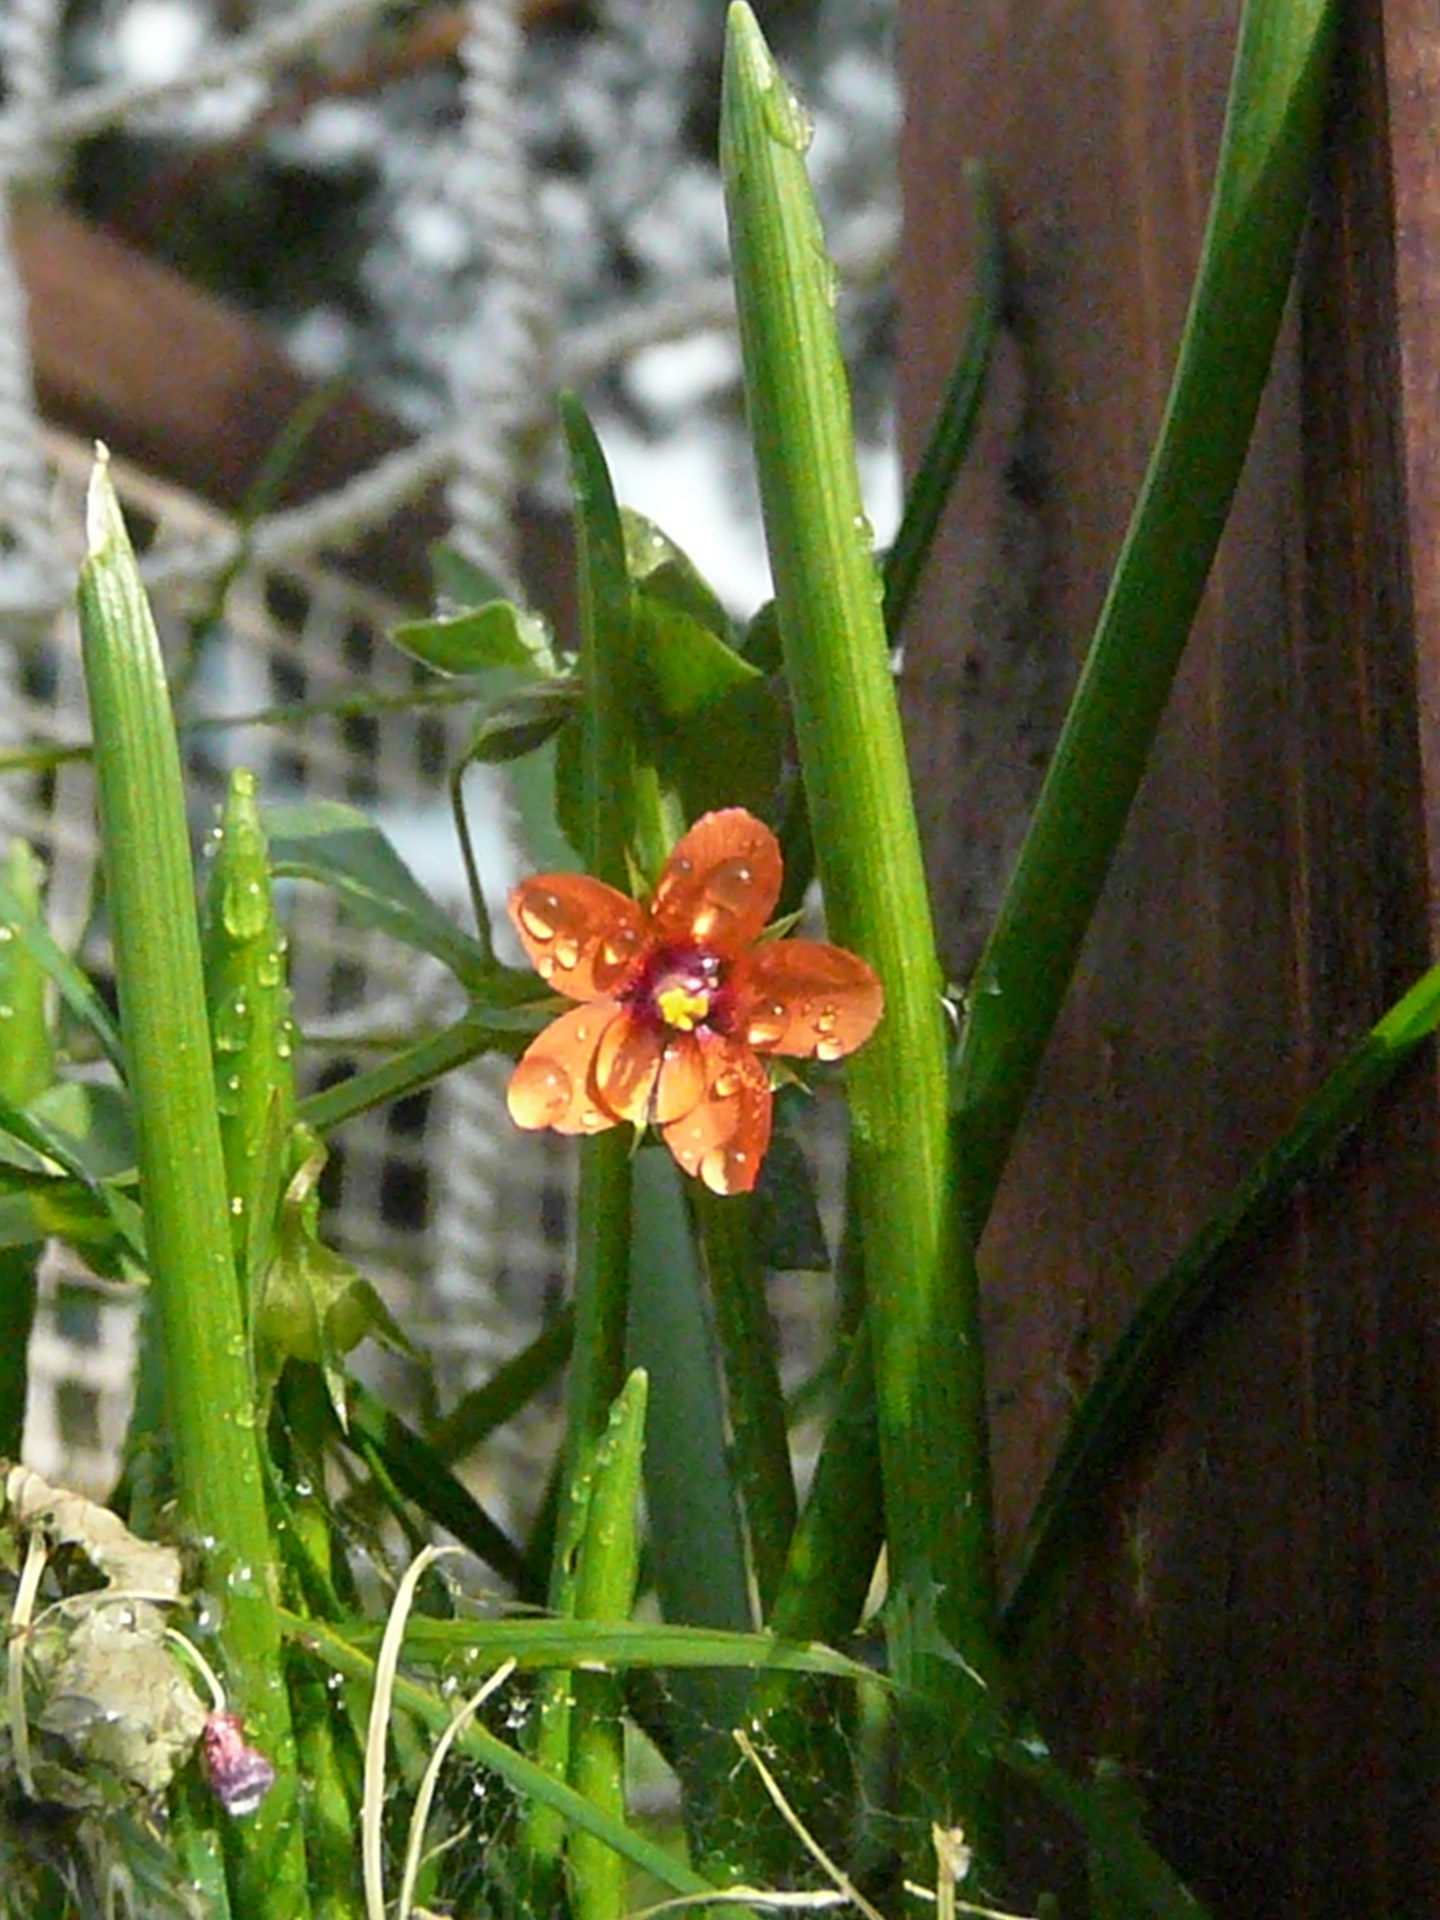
{"points": [[1248, 1631], [128, 352]]}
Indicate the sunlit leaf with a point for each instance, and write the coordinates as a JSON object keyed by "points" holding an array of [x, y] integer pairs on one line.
{"points": [[667, 574], [498, 634]]}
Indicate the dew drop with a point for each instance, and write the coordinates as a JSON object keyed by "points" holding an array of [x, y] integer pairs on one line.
{"points": [[723, 1169], [826, 1021], [732, 883], [615, 955], [243, 909], [726, 1084], [567, 951], [540, 915], [786, 119], [767, 1024], [540, 1092], [547, 966], [829, 1050]]}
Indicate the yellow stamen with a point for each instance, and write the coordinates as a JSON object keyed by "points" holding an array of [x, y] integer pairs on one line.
{"points": [[682, 1008]]}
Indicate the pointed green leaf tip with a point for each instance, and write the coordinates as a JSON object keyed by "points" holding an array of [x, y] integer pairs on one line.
{"points": [[104, 523], [745, 42]]}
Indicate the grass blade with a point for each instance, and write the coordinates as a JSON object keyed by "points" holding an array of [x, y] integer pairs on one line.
{"points": [[1106, 1420], [1262, 188], [150, 889]]}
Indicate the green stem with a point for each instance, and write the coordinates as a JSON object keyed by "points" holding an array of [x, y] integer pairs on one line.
{"points": [[605, 1590], [151, 896], [602, 1250], [920, 1275]]}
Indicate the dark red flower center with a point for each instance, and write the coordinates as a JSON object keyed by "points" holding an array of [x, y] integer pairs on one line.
{"points": [[683, 988]]}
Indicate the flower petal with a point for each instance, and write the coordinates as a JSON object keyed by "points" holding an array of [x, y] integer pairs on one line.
{"points": [[646, 1073], [807, 998], [582, 936], [723, 1139], [720, 883], [552, 1086]]}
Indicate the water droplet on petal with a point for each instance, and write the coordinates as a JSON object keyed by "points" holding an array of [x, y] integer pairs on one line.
{"points": [[726, 1170], [726, 1084], [540, 1092], [567, 951], [767, 1024], [547, 966], [539, 915], [826, 1049], [619, 948]]}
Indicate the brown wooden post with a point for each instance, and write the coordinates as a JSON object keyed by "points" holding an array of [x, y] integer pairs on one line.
{"points": [[1256, 1630]]}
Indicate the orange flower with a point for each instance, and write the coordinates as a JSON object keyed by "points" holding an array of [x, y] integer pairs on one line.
{"points": [[678, 1002]]}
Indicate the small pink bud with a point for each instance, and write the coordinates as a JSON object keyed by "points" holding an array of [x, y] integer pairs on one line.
{"points": [[240, 1776]]}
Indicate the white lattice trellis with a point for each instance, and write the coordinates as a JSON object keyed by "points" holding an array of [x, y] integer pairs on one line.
{"points": [[462, 1221]]}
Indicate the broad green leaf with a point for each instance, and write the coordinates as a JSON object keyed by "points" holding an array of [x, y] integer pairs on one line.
{"points": [[341, 848], [521, 721], [459, 582], [706, 718], [668, 574], [496, 635]]}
